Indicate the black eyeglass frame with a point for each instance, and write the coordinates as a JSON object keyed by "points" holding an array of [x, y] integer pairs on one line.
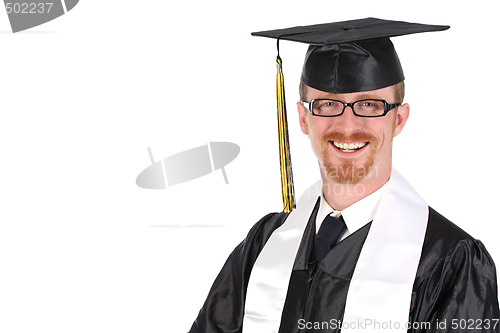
{"points": [[387, 107]]}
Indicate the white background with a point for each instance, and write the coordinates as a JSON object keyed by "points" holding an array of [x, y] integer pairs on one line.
{"points": [[83, 249]]}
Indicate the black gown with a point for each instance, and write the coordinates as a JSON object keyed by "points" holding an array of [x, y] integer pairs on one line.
{"points": [[455, 288]]}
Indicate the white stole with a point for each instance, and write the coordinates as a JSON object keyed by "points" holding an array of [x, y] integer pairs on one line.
{"points": [[380, 290]]}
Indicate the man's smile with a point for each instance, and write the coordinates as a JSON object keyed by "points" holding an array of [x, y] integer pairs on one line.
{"points": [[348, 147]]}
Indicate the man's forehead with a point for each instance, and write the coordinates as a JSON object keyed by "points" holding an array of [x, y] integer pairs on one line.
{"points": [[383, 93]]}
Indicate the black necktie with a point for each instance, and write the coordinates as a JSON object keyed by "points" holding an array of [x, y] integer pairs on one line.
{"points": [[327, 236]]}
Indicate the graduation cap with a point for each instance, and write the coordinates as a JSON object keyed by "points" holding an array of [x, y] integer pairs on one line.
{"points": [[343, 57]]}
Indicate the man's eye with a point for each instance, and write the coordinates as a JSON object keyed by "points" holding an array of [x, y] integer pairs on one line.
{"points": [[332, 104]]}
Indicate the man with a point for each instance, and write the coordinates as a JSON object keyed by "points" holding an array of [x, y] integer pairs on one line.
{"points": [[362, 252]]}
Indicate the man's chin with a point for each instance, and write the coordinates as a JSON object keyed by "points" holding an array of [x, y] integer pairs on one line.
{"points": [[347, 174]]}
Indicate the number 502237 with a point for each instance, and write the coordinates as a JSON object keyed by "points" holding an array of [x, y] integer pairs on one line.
{"points": [[28, 8]]}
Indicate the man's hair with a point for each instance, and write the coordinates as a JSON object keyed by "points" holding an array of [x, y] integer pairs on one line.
{"points": [[398, 87], [399, 92], [302, 91]]}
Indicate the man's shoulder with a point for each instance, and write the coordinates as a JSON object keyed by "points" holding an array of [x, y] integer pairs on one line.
{"points": [[263, 229], [439, 228], [444, 237], [260, 233], [456, 277], [446, 244]]}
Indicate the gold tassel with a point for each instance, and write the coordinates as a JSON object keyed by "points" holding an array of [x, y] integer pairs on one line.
{"points": [[287, 190]]}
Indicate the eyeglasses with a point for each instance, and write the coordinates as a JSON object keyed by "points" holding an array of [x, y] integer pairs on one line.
{"points": [[361, 108]]}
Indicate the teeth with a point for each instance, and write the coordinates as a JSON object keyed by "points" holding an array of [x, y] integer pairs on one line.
{"points": [[349, 147]]}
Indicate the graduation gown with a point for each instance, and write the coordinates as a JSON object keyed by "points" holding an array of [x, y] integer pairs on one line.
{"points": [[455, 288]]}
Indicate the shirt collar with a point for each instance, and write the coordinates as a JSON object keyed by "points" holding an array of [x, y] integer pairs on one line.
{"points": [[356, 215]]}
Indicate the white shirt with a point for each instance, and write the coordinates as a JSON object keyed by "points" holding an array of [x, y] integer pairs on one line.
{"points": [[355, 216]]}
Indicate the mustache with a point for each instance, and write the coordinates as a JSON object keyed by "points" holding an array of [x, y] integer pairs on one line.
{"points": [[354, 137]]}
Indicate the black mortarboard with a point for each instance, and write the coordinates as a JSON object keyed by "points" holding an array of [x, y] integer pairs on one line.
{"points": [[343, 57], [351, 56]]}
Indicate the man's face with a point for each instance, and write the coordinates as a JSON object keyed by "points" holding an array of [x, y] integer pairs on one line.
{"points": [[351, 148]]}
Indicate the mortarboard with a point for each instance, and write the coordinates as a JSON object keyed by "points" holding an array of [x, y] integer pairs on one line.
{"points": [[343, 57]]}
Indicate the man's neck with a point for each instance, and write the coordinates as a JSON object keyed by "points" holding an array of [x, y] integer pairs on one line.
{"points": [[341, 196]]}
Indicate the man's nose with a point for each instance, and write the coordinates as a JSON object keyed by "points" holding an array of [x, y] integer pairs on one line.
{"points": [[348, 121]]}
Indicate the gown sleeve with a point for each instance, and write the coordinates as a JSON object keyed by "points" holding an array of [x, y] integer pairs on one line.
{"points": [[223, 309], [460, 295]]}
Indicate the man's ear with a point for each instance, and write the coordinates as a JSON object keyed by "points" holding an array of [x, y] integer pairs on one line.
{"points": [[303, 118], [401, 118]]}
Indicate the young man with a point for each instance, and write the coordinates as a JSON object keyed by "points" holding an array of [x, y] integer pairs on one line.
{"points": [[362, 252]]}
